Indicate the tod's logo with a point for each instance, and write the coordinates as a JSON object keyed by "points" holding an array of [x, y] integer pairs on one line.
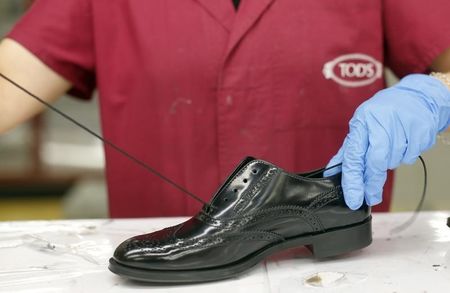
{"points": [[353, 70]]}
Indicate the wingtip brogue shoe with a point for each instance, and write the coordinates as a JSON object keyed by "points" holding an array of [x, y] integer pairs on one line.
{"points": [[259, 210]]}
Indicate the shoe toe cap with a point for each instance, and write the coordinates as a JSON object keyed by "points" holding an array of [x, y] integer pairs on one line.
{"points": [[142, 250]]}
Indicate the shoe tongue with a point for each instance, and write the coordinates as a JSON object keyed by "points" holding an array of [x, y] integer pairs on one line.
{"points": [[236, 170]]}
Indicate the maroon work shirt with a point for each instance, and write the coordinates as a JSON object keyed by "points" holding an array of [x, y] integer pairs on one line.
{"points": [[192, 86]]}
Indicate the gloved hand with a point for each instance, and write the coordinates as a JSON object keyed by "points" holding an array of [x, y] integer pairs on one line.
{"points": [[393, 127]]}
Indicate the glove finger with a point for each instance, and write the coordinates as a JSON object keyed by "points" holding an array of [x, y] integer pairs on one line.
{"points": [[380, 154], [374, 187], [337, 159], [353, 164]]}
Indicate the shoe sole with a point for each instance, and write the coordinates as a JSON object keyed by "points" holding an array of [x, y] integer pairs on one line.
{"points": [[327, 244]]}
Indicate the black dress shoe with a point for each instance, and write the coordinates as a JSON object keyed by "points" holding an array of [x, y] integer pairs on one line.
{"points": [[258, 211]]}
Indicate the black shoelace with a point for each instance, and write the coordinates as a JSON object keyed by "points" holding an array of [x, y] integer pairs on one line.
{"points": [[181, 188]]}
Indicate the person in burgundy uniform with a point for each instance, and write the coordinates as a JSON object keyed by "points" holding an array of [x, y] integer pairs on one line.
{"points": [[191, 87]]}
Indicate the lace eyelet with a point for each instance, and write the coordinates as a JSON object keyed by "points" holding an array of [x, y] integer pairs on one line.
{"points": [[245, 180]]}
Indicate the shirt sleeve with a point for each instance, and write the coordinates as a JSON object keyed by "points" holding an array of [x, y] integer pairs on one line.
{"points": [[416, 32], [60, 34]]}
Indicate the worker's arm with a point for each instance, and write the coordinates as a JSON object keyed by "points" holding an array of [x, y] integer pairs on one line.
{"points": [[24, 68], [442, 62], [392, 128]]}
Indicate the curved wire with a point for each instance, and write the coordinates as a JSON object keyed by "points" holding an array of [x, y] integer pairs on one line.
{"points": [[411, 220]]}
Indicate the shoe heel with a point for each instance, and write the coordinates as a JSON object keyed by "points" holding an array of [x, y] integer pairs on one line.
{"points": [[342, 241]]}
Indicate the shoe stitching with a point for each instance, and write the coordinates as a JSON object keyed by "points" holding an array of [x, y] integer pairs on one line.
{"points": [[320, 201], [310, 218], [249, 194], [303, 212], [238, 222], [285, 214], [209, 218], [295, 176], [136, 243], [250, 238], [238, 174], [244, 168], [301, 178], [206, 242]]}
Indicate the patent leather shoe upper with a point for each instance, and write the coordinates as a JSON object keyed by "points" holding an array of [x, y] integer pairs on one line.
{"points": [[260, 205]]}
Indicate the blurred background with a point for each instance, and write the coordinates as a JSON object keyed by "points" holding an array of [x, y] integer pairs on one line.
{"points": [[50, 169]]}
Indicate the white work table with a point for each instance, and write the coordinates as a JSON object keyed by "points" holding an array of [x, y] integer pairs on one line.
{"points": [[72, 256]]}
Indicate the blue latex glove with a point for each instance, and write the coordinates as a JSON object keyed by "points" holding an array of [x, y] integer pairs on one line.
{"points": [[393, 127]]}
